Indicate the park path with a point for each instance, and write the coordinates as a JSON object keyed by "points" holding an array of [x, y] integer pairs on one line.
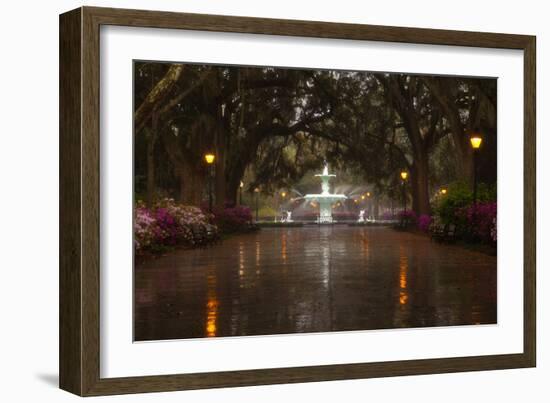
{"points": [[313, 279]]}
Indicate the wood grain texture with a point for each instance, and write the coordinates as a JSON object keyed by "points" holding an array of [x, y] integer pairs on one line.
{"points": [[80, 196], [90, 201], [70, 313], [530, 203], [314, 29], [304, 374]]}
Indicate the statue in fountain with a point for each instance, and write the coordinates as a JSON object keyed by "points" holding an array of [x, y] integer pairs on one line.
{"points": [[288, 216], [361, 216], [325, 198]]}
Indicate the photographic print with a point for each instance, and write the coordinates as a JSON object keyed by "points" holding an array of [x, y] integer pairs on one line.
{"points": [[291, 201], [271, 200]]}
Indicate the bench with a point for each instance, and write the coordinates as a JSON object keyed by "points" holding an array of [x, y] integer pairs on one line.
{"points": [[212, 234], [443, 233], [200, 234], [436, 231]]}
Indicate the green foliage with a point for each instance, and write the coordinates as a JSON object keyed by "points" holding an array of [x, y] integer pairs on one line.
{"points": [[267, 211], [273, 127], [459, 196]]}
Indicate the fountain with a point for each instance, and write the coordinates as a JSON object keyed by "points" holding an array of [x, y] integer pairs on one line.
{"points": [[288, 218], [361, 216], [325, 198]]}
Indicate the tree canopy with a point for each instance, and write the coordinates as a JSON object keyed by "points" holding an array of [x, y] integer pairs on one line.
{"points": [[274, 125]]}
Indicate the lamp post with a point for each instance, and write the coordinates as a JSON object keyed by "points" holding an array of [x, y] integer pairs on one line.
{"points": [[257, 191], [369, 206], [475, 141], [283, 195], [404, 175], [210, 158], [241, 185]]}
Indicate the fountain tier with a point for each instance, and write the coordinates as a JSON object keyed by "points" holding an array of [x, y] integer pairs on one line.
{"points": [[325, 198]]}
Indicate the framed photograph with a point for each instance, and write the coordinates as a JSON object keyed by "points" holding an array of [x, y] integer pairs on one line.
{"points": [[249, 201]]}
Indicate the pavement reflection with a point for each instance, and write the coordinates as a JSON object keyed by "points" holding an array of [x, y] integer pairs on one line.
{"points": [[313, 279]]}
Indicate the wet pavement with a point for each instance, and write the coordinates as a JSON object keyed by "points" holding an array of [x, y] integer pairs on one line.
{"points": [[313, 279]]}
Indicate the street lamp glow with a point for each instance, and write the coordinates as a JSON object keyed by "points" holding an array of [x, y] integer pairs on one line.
{"points": [[362, 197], [241, 184], [209, 158], [475, 141], [404, 175], [256, 190], [283, 194], [443, 191], [368, 194]]}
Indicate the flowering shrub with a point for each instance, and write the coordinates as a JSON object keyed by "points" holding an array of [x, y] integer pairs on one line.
{"points": [[459, 196], [166, 228], [233, 219], [165, 224], [481, 220], [144, 228], [184, 217], [423, 222]]}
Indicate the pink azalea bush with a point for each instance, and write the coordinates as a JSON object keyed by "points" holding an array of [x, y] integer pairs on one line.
{"points": [[144, 228], [165, 224], [481, 220], [233, 219], [423, 222]]}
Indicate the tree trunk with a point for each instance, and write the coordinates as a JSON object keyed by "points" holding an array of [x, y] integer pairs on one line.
{"points": [[151, 143], [413, 189], [236, 163], [232, 189], [419, 181], [420, 188], [376, 212], [220, 149], [404, 105], [192, 179], [150, 172], [220, 179], [464, 155], [192, 184], [183, 183], [234, 173]]}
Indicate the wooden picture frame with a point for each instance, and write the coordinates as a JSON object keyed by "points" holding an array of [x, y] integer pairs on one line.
{"points": [[79, 201]]}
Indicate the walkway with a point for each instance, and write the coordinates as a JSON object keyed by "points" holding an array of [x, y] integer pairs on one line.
{"points": [[313, 279]]}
